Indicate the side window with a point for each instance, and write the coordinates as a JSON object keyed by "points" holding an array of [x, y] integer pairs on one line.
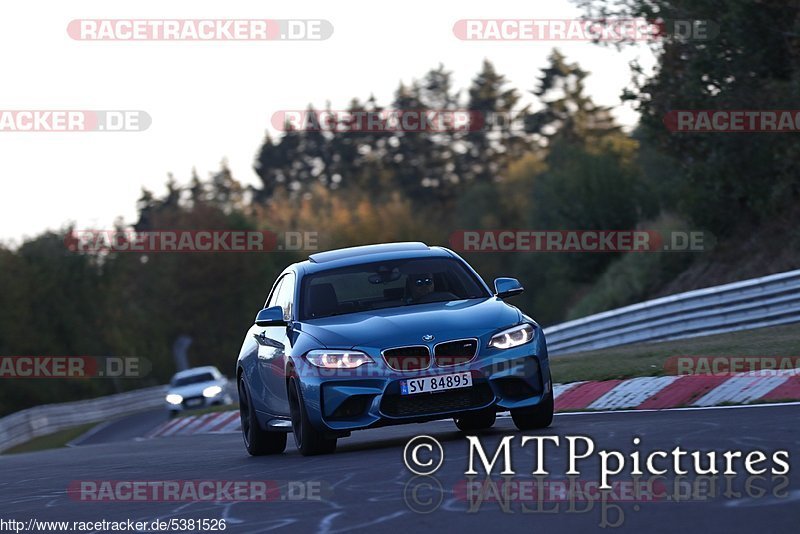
{"points": [[273, 298], [286, 296]]}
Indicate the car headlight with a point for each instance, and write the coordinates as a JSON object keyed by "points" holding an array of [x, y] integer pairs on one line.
{"points": [[174, 398], [513, 337], [338, 359], [212, 391]]}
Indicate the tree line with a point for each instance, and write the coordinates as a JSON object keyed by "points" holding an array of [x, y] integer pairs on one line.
{"points": [[565, 165]]}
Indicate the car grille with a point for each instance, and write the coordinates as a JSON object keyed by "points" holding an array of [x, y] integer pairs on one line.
{"points": [[455, 400], [455, 352], [408, 358]]}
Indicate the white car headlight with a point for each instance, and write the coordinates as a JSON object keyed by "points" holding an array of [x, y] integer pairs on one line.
{"points": [[212, 391], [338, 359], [174, 398], [513, 337]]}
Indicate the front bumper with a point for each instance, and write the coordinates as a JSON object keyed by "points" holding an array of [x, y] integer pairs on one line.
{"points": [[198, 402], [369, 396]]}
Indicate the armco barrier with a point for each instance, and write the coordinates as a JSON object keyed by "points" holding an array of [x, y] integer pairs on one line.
{"points": [[27, 424], [758, 302]]}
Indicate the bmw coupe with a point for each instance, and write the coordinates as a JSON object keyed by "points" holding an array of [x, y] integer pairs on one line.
{"points": [[387, 334]]}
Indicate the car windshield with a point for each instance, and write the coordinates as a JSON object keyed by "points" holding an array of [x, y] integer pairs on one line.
{"points": [[192, 379], [373, 286]]}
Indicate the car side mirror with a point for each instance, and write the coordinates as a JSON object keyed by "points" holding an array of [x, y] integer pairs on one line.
{"points": [[507, 287], [270, 317]]}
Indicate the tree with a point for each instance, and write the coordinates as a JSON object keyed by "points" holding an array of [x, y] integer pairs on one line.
{"points": [[592, 181], [729, 180], [489, 149], [569, 114]]}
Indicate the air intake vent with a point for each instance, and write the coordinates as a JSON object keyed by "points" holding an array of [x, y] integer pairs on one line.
{"points": [[431, 403]]}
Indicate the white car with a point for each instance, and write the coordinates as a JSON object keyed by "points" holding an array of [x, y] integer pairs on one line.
{"points": [[197, 388]]}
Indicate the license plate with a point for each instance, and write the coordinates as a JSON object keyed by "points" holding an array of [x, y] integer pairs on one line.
{"points": [[194, 402], [432, 384]]}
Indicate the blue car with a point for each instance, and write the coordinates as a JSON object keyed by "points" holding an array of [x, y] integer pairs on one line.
{"points": [[387, 334]]}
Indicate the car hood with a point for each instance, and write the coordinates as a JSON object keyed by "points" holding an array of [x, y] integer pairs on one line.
{"points": [[406, 325]]}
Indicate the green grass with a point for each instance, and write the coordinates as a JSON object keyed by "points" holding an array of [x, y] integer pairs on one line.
{"points": [[210, 409], [648, 359], [55, 440]]}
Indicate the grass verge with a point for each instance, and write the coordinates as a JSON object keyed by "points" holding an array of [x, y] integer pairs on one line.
{"points": [[648, 359], [51, 441]]}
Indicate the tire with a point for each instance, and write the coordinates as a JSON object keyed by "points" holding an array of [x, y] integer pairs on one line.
{"points": [[257, 441], [476, 420], [308, 439], [540, 416]]}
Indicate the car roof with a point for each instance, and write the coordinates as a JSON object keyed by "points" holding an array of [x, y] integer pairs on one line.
{"points": [[197, 371], [343, 257], [353, 252]]}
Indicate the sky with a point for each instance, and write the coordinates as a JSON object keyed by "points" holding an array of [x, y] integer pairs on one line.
{"points": [[210, 101]]}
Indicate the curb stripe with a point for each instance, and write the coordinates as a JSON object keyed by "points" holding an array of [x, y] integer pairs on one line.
{"points": [[560, 389], [632, 393], [682, 392], [224, 419], [160, 429], [182, 422], [197, 422], [788, 390], [582, 396], [234, 425], [211, 421], [741, 389]]}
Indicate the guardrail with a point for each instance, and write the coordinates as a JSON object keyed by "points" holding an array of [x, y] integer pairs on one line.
{"points": [[38, 421], [755, 303]]}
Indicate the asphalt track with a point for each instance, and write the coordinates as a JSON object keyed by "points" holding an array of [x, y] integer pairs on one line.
{"points": [[366, 486], [124, 428]]}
